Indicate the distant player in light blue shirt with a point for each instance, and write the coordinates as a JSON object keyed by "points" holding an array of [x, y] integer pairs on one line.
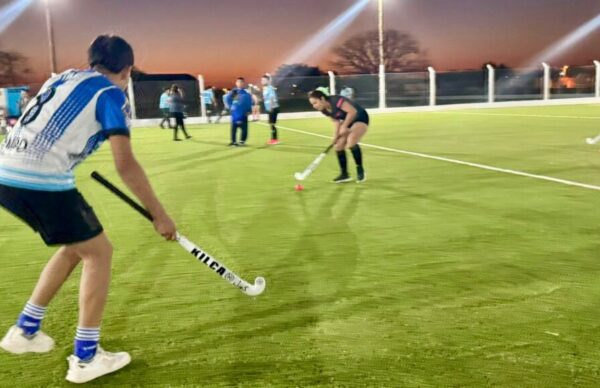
{"points": [[347, 92], [208, 95], [163, 105], [72, 115], [271, 106]]}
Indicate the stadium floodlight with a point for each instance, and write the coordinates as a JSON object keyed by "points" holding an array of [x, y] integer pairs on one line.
{"points": [[50, 30]]}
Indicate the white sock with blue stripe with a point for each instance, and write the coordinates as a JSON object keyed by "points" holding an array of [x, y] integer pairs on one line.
{"points": [[86, 343], [31, 317]]}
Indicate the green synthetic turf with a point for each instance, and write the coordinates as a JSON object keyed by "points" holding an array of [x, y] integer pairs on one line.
{"points": [[429, 274]]}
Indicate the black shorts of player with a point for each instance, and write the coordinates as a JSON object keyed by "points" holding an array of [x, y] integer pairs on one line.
{"points": [[361, 117], [60, 217], [273, 115]]}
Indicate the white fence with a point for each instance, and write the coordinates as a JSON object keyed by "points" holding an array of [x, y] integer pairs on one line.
{"points": [[431, 90]]}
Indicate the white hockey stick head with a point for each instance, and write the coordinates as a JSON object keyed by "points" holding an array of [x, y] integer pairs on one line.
{"points": [[257, 288]]}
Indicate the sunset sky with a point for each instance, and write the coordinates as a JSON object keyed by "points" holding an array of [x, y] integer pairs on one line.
{"points": [[222, 39]]}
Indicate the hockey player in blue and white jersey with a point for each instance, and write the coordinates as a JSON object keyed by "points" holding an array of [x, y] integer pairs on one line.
{"points": [[73, 114], [271, 106]]}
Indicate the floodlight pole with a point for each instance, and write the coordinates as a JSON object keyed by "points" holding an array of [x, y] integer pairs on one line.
{"points": [[50, 30], [382, 91]]}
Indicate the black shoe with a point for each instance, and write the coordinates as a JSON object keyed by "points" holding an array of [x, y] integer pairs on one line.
{"points": [[242, 143], [342, 178], [188, 137], [233, 144], [176, 139], [361, 176]]}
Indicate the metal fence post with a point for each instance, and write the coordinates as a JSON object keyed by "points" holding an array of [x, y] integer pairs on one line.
{"points": [[491, 83], [331, 83], [546, 81], [131, 96], [432, 86], [202, 104]]}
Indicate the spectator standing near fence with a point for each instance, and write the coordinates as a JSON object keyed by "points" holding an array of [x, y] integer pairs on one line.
{"points": [[177, 109]]}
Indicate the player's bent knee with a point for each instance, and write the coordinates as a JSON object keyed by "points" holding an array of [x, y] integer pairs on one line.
{"points": [[98, 248]]}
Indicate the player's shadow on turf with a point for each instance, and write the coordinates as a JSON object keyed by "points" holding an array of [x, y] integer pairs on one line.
{"points": [[200, 156], [192, 164], [313, 278], [295, 150]]}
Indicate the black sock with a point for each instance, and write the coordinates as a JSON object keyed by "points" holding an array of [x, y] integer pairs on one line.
{"points": [[343, 161], [357, 154], [273, 132]]}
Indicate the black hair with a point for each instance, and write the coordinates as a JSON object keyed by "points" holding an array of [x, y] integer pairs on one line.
{"points": [[111, 52], [240, 79], [267, 76], [317, 94]]}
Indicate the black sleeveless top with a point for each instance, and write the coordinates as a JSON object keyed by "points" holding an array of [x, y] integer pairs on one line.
{"points": [[336, 108]]}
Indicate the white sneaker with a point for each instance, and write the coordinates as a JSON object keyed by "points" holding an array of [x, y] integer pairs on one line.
{"points": [[16, 342], [102, 364]]}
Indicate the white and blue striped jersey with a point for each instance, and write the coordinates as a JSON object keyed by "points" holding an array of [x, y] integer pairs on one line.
{"points": [[270, 98], [72, 115]]}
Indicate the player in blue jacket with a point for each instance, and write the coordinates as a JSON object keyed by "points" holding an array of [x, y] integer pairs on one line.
{"points": [[240, 105]]}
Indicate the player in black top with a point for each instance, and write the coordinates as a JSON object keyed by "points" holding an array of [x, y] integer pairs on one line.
{"points": [[351, 122]]}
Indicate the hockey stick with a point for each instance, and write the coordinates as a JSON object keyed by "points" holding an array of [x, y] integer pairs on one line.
{"points": [[249, 289], [300, 176], [592, 140]]}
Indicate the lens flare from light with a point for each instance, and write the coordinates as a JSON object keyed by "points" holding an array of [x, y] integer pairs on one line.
{"points": [[566, 43], [10, 12], [326, 35]]}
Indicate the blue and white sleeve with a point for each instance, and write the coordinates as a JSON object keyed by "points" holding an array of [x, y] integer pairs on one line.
{"points": [[113, 113]]}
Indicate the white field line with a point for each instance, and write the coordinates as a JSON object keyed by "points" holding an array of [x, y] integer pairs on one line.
{"points": [[521, 115], [455, 161]]}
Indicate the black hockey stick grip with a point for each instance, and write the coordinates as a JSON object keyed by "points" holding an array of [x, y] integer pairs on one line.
{"points": [[100, 179]]}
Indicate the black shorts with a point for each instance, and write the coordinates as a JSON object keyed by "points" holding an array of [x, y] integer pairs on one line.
{"points": [[361, 117], [60, 217], [273, 115]]}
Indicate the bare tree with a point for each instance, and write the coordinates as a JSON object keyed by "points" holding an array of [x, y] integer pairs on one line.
{"points": [[360, 53], [297, 70], [13, 68]]}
